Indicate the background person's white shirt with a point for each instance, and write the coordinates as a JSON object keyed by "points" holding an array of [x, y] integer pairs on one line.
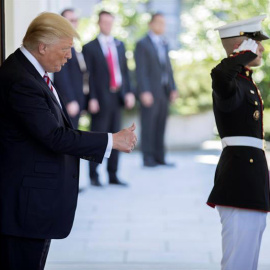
{"points": [[104, 42]]}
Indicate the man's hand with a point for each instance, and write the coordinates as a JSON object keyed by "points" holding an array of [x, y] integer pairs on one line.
{"points": [[93, 106], [125, 140], [147, 99], [73, 108], [247, 45], [174, 95], [129, 101]]}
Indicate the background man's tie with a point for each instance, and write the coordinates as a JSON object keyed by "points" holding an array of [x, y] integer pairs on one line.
{"points": [[111, 66], [48, 81]]}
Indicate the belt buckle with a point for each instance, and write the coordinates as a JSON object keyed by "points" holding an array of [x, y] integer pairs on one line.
{"points": [[264, 145]]}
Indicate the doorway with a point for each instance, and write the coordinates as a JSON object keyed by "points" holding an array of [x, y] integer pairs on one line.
{"points": [[2, 31]]}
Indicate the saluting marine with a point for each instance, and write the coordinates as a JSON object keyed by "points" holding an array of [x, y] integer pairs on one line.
{"points": [[241, 187]]}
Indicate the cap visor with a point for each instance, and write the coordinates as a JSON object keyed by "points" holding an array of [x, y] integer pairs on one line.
{"points": [[261, 36]]}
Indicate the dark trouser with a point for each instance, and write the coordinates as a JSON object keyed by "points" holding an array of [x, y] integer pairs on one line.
{"points": [[153, 123], [18, 253], [107, 120]]}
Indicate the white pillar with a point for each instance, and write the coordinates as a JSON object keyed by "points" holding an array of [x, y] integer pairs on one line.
{"points": [[19, 14]]}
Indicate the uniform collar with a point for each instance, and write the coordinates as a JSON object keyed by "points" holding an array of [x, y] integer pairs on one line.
{"points": [[247, 72]]}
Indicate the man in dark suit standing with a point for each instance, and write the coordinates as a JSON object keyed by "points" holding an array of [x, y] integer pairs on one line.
{"points": [[70, 80], [39, 149], [156, 90], [110, 88]]}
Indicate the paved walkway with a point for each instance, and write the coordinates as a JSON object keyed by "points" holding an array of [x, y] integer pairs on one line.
{"points": [[160, 222]]}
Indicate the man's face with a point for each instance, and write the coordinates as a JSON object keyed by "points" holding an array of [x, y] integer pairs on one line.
{"points": [[158, 25], [258, 60], [105, 24], [54, 56], [72, 17]]}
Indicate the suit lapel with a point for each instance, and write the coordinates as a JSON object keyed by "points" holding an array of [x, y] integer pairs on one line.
{"points": [[63, 109], [154, 49], [101, 54], [118, 49], [31, 69]]}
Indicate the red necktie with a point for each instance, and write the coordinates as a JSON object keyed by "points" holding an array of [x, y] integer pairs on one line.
{"points": [[48, 81], [109, 58]]}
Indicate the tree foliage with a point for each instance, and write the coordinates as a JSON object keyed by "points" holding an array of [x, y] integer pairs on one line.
{"points": [[201, 49], [131, 21]]}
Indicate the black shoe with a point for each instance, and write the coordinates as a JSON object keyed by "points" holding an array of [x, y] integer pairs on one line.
{"points": [[95, 182], [116, 181], [163, 163], [149, 162]]}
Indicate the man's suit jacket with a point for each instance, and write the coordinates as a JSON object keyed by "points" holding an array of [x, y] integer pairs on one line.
{"points": [[149, 69], [39, 155], [99, 72], [69, 81]]}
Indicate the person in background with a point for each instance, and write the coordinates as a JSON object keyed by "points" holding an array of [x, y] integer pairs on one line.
{"points": [[241, 186], [70, 81], [110, 89], [39, 149], [156, 89]]}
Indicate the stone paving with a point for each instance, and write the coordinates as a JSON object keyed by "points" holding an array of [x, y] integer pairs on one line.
{"points": [[160, 222]]}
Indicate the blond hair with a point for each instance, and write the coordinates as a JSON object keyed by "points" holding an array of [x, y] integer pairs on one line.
{"points": [[229, 43], [48, 28]]}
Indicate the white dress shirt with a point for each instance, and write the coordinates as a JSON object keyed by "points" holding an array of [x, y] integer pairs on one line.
{"points": [[38, 67], [158, 42], [41, 71], [108, 41]]}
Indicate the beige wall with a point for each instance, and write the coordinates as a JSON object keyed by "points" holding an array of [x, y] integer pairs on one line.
{"points": [[19, 14]]}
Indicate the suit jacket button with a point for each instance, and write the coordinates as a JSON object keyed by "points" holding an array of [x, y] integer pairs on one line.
{"points": [[251, 160]]}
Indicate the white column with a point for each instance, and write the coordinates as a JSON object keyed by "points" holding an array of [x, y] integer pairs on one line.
{"points": [[19, 14], [58, 6]]}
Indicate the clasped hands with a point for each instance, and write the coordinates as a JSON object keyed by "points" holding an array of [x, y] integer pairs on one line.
{"points": [[125, 140]]}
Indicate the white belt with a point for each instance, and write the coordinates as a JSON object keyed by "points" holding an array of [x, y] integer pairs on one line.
{"points": [[243, 141]]}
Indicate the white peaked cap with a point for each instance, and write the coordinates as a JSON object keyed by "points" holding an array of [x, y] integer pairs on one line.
{"points": [[251, 28]]}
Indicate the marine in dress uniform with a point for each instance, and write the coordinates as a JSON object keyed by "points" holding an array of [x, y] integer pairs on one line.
{"points": [[241, 186]]}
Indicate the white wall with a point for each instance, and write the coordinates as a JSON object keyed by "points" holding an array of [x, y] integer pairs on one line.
{"points": [[19, 14]]}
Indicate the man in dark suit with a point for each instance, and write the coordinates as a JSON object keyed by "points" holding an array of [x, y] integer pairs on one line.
{"points": [[110, 88], [39, 149], [70, 80], [156, 90]]}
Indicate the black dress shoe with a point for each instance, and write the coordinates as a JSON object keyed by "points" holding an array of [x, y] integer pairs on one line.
{"points": [[150, 163], [163, 163], [95, 182], [116, 181]]}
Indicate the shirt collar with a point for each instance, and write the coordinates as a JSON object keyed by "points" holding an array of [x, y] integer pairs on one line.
{"points": [[33, 61], [154, 37], [105, 39]]}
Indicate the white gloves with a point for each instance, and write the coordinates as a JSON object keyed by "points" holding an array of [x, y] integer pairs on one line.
{"points": [[247, 45]]}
